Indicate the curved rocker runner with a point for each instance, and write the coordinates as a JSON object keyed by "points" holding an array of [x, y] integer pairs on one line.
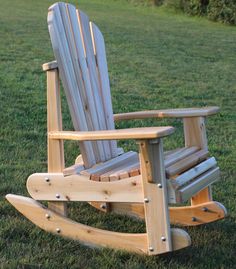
{"points": [[110, 179]]}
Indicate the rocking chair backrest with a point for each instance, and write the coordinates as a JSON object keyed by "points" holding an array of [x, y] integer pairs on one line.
{"points": [[79, 49]]}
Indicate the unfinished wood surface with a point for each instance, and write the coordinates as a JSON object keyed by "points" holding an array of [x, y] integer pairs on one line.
{"points": [[124, 171], [79, 69], [71, 75], [54, 123], [168, 113], [176, 156], [74, 169], [97, 112], [180, 194], [198, 214], [186, 163], [52, 222], [57, 224], [111, 164], [155, 195], [184, 215], [199, 183], [100, 54], [133, 210], [132, 133], [195, 135], [195, 132], [78, 56], [125, 165], [79, 159], [79, 188], [168, 152], [50, 66], [194, 172], [71, 84]]}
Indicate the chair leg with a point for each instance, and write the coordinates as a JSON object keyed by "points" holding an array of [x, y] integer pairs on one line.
{"points": [[54, 119], [159, 235]]}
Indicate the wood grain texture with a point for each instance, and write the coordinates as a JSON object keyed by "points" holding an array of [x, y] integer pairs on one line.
{"points": [[70, 78], [194, 172], [155, 193], [65, 227], [179, 215], [195, 132], [195, 135], [199, 183], [54, 123], [50, 66], [97, 110], [83, 78], [177, 155], [132, 133], [186, 163], [52, 222], [111, 164], [79, 188], [168, 113], [100, 54]]}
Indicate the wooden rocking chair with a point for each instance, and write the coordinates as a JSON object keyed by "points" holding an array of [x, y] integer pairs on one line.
{"points": [[140, 185]]}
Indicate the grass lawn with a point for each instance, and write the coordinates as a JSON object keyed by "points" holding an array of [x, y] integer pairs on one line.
{"points": [[156, 60]]}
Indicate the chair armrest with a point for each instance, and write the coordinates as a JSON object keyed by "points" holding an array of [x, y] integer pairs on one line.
{"points": [[168, 113], [132, 133], [50, 66]]}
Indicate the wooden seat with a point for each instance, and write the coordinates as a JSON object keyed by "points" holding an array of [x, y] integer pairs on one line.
{"points": [[133, 183], [128, 165], [186, 171]]}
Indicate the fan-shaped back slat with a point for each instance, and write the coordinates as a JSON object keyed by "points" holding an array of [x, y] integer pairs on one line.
{"points": [[91, 61], [100, 52], [68, 76], [82, 78], [86, 91]]}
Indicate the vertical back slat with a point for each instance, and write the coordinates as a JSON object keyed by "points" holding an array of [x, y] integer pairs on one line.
{"points": [[86, 86], [100, 52], [62, 54], [91, 62], [80, 67]]}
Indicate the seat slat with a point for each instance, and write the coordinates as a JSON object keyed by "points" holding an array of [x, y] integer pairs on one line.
{"points": [[122, 171], [179, 189], [180, 154], [169, 152], [186, 163], [198, 184], [185, 158], [111, 164], [186, 177]]}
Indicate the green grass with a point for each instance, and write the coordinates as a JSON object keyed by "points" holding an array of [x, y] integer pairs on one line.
{"points": [[156, 60]]}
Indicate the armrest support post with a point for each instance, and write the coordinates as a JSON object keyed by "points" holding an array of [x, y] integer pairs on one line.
{"points": [[195, 135], [155, 196], [195, 132], [54, 123]]}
